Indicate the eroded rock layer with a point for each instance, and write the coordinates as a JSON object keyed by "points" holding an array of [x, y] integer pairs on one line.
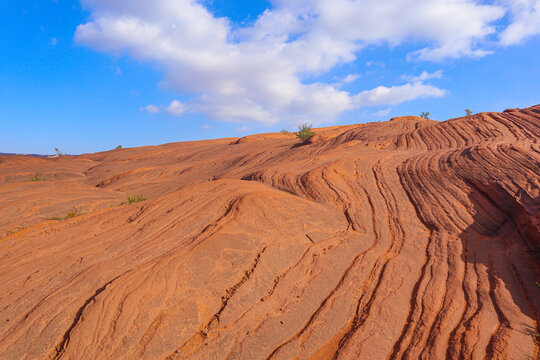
{"points": [[408, 239]]}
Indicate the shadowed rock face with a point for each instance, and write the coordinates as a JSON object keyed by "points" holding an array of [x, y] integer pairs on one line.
{"points": [[409, 239]]}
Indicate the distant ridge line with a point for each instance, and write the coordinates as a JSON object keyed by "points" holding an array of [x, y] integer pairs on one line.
{"points": [[34, 155]]}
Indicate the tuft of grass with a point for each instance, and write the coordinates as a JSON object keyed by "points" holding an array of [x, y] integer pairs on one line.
{"points": [[135, 199], [304, 132], [76, 212], [38, 178]]}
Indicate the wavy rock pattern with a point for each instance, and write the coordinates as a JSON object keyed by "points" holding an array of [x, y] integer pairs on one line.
{"points": [[408, 239]]}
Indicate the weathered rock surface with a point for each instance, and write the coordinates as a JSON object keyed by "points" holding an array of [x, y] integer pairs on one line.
{"points": [[408, 239]]}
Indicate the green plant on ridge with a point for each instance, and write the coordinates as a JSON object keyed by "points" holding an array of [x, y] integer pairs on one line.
{"points": [[304, 132], [425, 115], [135, 199], [468, 112]]}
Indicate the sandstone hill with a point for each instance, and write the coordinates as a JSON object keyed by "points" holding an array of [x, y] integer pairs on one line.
{"points": [[406, 239]]}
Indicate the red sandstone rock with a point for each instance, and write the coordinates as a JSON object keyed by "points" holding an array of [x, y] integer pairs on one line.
{"points": [[407, 239]]}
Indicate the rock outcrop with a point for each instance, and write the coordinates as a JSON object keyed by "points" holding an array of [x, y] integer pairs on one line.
{"points": [[407, 239]]}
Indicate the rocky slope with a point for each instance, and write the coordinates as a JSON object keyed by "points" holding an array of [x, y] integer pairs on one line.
{"points": [[407, 239]]}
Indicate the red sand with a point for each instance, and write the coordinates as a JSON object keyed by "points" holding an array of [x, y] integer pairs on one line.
{"points": [[408, 239]]}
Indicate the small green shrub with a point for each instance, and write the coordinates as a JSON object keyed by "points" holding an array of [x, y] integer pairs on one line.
{"points": [[38, 178], [118, 147], [468, 112], [76, 212], [59, 152], [284, 131], [135, 199], [304, 132], [425, 115]]}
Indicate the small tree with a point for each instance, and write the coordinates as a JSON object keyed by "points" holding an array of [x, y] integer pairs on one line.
{"points": [[304, 132], [425, 115], [118, 147], [59, 152], [468, 112]]}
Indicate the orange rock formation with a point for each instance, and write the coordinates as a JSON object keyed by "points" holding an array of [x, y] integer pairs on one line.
{"points": [[407, 239]]}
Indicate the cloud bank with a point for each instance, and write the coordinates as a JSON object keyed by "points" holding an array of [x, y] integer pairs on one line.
{"points": [[257, 72]]}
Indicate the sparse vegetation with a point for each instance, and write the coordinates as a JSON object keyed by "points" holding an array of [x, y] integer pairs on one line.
{"points": [[304, 132], [530, 331], [425, 115], [468, 112], [283, 131], [38, 178], [76, 212], [13, 231], [135, 199], [118, 147], [10, 232], [59, 152]]}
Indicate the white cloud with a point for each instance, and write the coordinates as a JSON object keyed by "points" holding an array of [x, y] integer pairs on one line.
{"points": [[54, 41], [206, 127], [525, 21], [424, 76], [350, 78], [175, 108], [382, 113], [118, 71], [375, 63], [242, 129], [151, 109], [396, 94], [254, 73]]}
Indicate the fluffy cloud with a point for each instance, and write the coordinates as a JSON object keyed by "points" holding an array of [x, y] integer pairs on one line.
{"points": [[176, 108], [526, 21], [396, 94], [255, 73], [382, 113]]}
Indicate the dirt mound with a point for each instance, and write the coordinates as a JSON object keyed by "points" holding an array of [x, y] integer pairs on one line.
{"points": [[407, 239]]}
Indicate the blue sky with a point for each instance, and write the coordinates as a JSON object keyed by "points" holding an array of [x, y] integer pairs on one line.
{"points": [[89, 76]]}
